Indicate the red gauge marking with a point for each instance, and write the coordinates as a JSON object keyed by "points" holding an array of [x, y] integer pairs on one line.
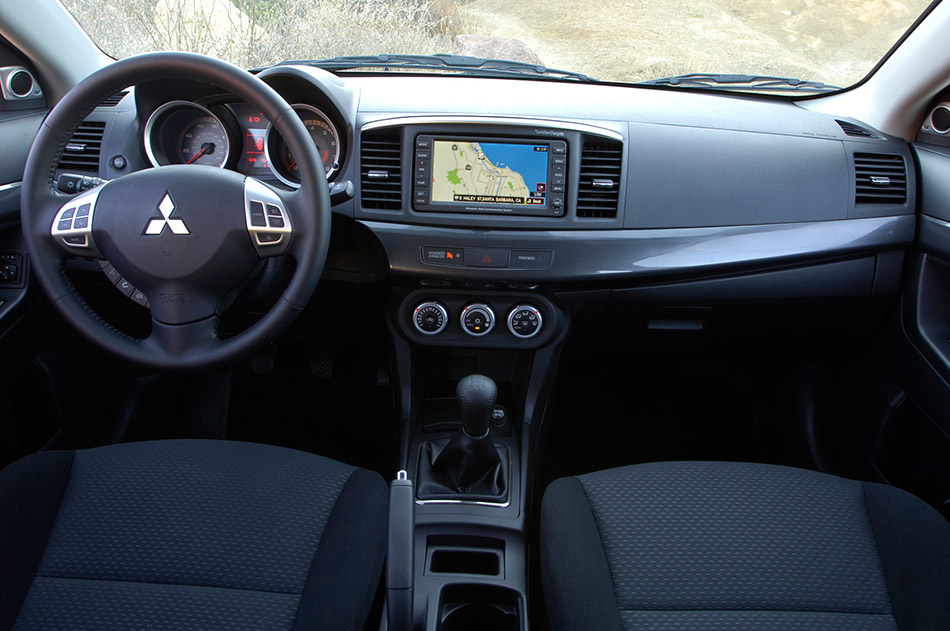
{"points": [[208, 147]]}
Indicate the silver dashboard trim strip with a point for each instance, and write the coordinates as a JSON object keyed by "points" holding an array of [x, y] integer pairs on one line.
{"points": [[936, 222], [492, 120], [589, 254], [12, 185]]}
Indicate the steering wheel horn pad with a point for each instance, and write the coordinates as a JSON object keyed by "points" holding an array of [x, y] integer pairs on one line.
{"points": [[178, 234]]}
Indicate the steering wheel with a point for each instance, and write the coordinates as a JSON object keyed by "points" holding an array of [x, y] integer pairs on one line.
{"points": [[187, 236]]}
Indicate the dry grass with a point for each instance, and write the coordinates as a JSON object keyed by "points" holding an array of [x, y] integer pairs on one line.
{"points": [[261, 32]]}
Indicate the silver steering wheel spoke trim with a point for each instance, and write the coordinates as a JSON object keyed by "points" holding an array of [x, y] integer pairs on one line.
{"points": [[72, 226], [268, 222]]}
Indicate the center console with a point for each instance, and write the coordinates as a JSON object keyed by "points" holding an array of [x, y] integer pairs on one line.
{"points": [[475, 367]]}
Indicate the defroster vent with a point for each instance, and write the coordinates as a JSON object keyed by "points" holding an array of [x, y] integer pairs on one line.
{"points": [[115, 99], [880, 178], [82, 150], [598, 191], [381, 170], [856, 131]]}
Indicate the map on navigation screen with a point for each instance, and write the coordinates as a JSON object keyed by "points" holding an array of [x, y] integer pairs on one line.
{"points": [[489, 173]]}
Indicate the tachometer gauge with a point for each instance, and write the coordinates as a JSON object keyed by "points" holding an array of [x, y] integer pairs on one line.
{"points": [[182, 132], [325, 138]]}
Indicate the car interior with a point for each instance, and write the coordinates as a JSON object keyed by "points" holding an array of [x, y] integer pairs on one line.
{"points": [[265, 368]]}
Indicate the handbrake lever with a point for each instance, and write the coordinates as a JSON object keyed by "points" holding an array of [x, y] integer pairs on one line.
{"points": [[400, 559]]}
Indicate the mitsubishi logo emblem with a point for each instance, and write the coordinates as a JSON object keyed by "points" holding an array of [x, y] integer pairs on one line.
{"points": [[157, 226]]}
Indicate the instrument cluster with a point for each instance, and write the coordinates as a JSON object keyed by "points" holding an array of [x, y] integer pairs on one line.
{"points": [[236, 136]]}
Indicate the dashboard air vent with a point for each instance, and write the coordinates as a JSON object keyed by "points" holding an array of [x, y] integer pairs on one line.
{"points": [[598, 191], [82, 150], [113, 100], [381, 170], [850, 129], [880, 178]]}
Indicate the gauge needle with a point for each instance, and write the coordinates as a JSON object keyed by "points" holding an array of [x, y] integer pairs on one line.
{"points": [[291, 166], [208, 148]]}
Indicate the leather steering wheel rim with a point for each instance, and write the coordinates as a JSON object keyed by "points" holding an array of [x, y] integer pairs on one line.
{"points": [[181, 345]]}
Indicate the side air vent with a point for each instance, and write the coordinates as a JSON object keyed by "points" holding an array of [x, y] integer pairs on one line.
{"points": [[598, 191], [82, 150], [381, 170], [880, 178], [850, 129], [113, 100]]}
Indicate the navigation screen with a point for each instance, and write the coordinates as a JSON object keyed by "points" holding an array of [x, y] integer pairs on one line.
{"points": [[489, 173]]}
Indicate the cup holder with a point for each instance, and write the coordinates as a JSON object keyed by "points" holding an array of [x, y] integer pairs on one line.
{"points": [[480, 607]]}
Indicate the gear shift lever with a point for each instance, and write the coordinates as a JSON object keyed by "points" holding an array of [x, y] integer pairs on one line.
{"points": [[476, 396], [469, 465]]}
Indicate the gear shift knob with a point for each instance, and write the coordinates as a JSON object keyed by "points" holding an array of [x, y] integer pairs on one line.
{"points": [[476, 395]]}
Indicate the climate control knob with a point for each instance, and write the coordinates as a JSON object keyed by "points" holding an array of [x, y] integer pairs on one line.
{"points": [[477, 319], [430, 318], [524, 321]]}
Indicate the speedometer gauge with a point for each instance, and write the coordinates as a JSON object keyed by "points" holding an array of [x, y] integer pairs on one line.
{"points": [[325, 138], [182, 132], [204, 141]]}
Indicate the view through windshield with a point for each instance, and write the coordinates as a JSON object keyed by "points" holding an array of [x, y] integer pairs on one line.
{"points": [[834, 41]]}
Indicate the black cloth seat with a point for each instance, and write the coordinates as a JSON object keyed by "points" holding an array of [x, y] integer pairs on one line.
{"points": [[189, 534], [707, 546]]}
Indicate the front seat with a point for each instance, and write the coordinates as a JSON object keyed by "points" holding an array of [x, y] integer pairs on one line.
{"points": [[188, 534], [680, 546]]}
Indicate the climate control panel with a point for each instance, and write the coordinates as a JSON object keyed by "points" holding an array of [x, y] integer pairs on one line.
{"points": [[492, 319]]}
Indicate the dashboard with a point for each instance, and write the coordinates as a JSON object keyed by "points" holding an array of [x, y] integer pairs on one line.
{"points": [[669, 198]]}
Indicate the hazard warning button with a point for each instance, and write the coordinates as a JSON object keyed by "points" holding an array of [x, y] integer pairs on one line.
{"points": [[479, 257]]}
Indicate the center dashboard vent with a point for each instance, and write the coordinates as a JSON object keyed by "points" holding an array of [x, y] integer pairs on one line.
{"points": [[880, 178], [856, 131], [598, 191], [381, 170], [82, 150]]}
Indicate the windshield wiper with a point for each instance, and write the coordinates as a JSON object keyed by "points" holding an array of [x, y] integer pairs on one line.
{"points": [[462, 64], [758, 83]]}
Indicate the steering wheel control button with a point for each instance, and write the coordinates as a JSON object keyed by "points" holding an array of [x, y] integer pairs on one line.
{"points": [[72, 226], [125, 287], [274, 217], [443, 256], [478, 319], [482, 257], [267, 220], [257, 214], [531, 258], [525, 321], [430, 318], [111, 273], [139, 298]]}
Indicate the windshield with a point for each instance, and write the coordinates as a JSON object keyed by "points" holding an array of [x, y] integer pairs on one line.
{"points": [[833, 42]]}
